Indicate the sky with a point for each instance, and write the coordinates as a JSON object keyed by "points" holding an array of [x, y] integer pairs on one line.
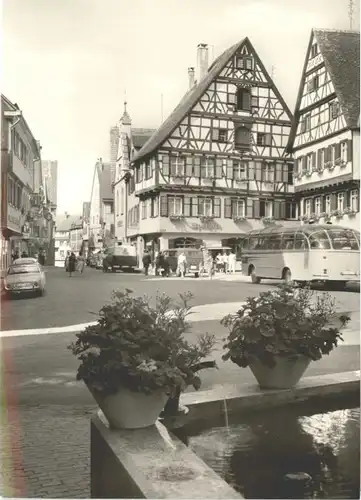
{"points": [[68, 64]]}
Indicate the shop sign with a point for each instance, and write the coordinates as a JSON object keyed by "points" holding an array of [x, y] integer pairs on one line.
{"points": [[14, 219]]}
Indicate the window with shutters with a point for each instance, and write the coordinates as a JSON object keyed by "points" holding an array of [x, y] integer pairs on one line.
{"points": [[254, 101], [175, 205], [219, 134], [313, 84], [154, 207], [318, 205], [354, 202], [309, 163], [289, 173], [328, 203], [243, 99], [264, 139], [177, 166], [268, 173], [238, 208], [148, 170], [291, 210], [205, 207], [144, 209], [308, 206], [239, 170], [242, 138], [340, 201], [333, 153], [306, 123], [208, 167], [343, 152], [322, 156], [334, 110], [244, 62], [265, 208]]}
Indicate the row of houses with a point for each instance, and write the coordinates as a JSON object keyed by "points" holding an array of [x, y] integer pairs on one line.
{"points": [[27, 207], [232, 157]]}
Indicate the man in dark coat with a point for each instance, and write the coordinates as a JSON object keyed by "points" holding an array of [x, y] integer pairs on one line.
{"points": [[146, 262]]}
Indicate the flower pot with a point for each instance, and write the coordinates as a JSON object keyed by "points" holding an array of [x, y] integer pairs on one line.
{"points": [[130, 410], [284, 375]]}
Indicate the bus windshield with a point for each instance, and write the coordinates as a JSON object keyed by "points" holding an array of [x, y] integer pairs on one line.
{"points": [[343, 239], [319, 240]]}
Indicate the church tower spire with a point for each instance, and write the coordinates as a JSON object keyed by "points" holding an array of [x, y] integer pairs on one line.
{"points": [[125, 119]]}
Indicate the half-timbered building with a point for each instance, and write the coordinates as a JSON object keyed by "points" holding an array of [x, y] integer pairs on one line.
{"points": [[325, 135], [217, 166]]}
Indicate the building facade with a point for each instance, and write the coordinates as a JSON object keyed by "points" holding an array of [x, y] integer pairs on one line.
{"points": [[325, 136], [26, 221], [50, 174], [63, 226], [101, 211], [218, 166], [131, 140]]}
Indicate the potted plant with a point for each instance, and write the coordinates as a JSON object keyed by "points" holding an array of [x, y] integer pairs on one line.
{"points": [[280, 332], [135, 357]]}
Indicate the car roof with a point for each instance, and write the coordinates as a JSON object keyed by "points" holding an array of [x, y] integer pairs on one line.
{"points": [[25, 260]]}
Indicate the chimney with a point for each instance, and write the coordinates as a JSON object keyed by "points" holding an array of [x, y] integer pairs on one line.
{"points": [[191, 77], [202, 61]]}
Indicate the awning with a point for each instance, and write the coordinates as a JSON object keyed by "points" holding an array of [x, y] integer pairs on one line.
{"points": [[324, 183]]}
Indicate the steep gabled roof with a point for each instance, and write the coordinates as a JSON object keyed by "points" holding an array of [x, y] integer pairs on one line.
{"points": [[191, 98], [63, 223], [105, 181], [340, 50], [140, 136]]}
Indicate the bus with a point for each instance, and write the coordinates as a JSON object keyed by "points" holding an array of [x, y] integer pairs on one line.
{"points": [[303, 254]]}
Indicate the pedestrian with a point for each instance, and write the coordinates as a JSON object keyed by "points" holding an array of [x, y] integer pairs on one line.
{"points": [[209, 265], [165, 265], [225, 262], [66, 262], [41, 258], [231, 262], [219, 262], [81, 263], [182, 262], [147, 260], [71, 263]]}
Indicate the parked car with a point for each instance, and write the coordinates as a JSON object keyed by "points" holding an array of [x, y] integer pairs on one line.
{"points": [[194, 258], [120, 257], [21, 279]]}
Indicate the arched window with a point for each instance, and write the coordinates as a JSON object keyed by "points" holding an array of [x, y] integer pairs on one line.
{"points": [[242, 138], [243, 99]]}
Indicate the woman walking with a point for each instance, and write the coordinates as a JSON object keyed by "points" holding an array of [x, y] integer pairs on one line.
{"points": [[81, 263], [71, 263]]}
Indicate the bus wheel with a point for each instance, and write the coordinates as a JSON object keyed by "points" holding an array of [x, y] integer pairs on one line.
{"points": [[287, 275]]}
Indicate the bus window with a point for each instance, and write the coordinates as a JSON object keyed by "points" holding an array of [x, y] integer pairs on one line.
{"points": [[300, 242], [253, 243], [288, 241], [244, 245], [319, 239], [343, 239], [274, 242]]}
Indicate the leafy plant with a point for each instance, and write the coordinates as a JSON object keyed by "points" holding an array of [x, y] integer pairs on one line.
{"points": [[286, 322], [140, 347]]}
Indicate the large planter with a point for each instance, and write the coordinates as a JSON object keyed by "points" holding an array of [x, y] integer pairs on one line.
{"points": [[130, 410], [286, 374]]}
